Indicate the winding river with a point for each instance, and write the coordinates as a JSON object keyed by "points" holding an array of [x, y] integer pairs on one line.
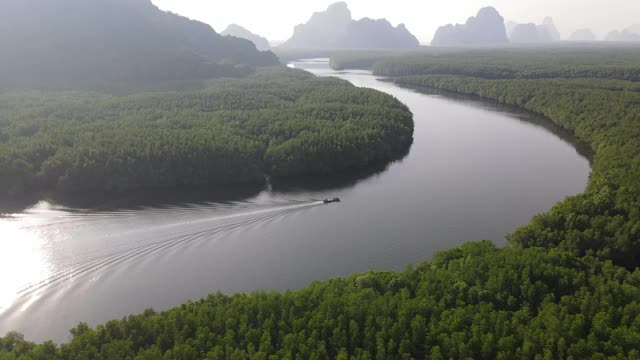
{"points": [[475, 171]]}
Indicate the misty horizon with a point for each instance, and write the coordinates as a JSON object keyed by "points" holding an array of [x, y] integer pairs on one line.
{"points": [[421, 20]]}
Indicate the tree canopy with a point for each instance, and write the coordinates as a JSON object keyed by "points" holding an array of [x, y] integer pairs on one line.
{"points": [[567, 286], [278, 121]]}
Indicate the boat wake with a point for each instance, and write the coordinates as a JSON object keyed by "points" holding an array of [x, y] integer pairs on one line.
{"points": [[173, 235]]}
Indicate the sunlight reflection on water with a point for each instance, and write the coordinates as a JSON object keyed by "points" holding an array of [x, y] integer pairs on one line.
{"points": [[22, 258]]}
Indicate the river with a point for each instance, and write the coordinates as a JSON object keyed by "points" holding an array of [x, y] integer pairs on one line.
{"points": [[475, 171]]}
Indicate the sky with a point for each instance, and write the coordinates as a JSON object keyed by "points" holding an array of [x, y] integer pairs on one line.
{"points": [[275, 19]]}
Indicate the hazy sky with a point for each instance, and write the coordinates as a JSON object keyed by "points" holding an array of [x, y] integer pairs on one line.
{"points": [[275, 19]]}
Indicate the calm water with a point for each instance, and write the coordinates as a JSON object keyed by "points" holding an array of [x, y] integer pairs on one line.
{"points": [[475, 171]]}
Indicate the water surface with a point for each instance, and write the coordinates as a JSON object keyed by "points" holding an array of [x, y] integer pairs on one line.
{"points": [[475, 171]]}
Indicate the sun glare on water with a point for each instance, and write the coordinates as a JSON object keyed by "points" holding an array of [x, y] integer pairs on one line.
{"points": [[22, 260]]}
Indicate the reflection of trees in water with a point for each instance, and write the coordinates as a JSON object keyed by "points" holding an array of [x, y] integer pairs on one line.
{"points": [[202, 194], [158, 198], [342, 181], [528, 117], [135, 199], [13, 206]]}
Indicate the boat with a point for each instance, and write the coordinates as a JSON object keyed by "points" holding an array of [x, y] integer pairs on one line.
{"points": [[329, 201]]}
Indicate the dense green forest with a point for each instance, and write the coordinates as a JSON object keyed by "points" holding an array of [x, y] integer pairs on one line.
{"points": [[567, 286], [473, 302], [366, 59], [606, 62], [278, 121]]}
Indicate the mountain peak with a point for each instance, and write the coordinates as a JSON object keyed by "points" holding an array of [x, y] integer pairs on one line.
{"points": [[532, 33], [238, 31], [338, 6], [489, 12], [487, 28], [335, 28]]}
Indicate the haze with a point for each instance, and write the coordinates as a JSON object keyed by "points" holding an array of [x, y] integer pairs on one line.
{"points": [[276, 19]]}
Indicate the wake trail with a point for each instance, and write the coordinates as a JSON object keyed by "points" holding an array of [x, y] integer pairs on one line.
{"points": [[177, 239], [191, 222], [219, 218], [107, 259]]}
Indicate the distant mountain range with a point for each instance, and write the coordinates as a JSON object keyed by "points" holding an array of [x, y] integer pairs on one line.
{"points": [[528, 34], [532, 33], [238, 31], [582, 35], [487, 28], [67, 42], [630, 34], [335, 29]]}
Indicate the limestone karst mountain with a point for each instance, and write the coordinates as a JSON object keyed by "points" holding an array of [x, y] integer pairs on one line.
{"points": [[630, 34], [582, 35], [549, 26], [531, 33], [634, 28], [487, 28], [510, 25], [336, 29], [240, 32]]}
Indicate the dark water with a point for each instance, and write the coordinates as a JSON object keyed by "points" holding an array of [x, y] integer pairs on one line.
{"points": [[475, 171]]}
